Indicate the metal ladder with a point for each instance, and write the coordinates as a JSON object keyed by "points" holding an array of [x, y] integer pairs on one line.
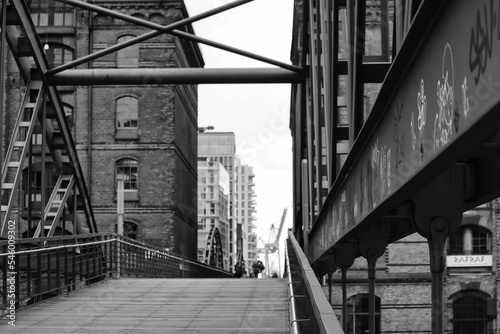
{"points": [[18, 150], [54, 210]]}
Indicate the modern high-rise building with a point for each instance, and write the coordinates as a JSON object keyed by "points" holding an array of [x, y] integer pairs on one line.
{"points": [[244, 211], [146, 133], [221, 147], [213, 213]]}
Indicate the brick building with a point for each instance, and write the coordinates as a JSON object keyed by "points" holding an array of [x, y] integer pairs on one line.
{"points": [[146, 133], [403, 281]]}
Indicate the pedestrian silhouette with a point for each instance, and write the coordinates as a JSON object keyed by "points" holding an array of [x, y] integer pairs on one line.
{"points": [[257, 268]]}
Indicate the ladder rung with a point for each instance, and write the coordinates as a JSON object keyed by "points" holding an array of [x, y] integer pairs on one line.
{"points": [[35, 84], [13, 164], [18, 144], [30, 105], [4, 208], [25, 124], [8, 186]]}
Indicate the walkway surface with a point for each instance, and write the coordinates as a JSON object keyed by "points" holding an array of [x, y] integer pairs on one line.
{"points": [[184, 306]]}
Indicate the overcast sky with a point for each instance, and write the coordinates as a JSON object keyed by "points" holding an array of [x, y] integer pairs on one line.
{"points": [[257, 114]]}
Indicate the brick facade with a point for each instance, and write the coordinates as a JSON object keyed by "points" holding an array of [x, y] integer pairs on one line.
{"points": [[164, 208], [403, 281]]}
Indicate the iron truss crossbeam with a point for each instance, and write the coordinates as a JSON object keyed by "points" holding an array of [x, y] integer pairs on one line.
{"points": [[437, 108], [160, 29], [162, 76], [23, 17]]}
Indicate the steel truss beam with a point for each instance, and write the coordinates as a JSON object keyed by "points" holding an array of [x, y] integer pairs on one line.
{"points": [[160, 29], [23, 17], [405, 143], [164, 76]]}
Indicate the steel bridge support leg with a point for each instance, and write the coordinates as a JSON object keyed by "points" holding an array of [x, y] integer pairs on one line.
{"points": [[344, 258], [437, 213], [327, 266], [439, 232], [372, 245], [372, 256]]}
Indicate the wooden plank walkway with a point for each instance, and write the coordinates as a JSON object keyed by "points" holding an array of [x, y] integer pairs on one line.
{"points": [[186, 306]]}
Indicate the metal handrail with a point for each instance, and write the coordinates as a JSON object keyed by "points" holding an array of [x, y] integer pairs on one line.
{"points": [[291, 303], [46, 267], [314, 305]]}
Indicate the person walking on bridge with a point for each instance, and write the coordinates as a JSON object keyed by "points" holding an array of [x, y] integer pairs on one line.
{"points": [[257, 268]]}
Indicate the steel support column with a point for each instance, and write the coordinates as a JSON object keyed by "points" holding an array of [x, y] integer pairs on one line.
{"points": [[327, 265], [344, 258], [372, 245], [438, 209], [439, 233]]}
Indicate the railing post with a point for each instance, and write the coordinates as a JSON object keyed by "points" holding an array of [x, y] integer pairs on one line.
{"points": [[119, 210]]}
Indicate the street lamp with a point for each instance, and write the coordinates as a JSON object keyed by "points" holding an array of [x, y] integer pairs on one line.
{"points": [[205, 128]]}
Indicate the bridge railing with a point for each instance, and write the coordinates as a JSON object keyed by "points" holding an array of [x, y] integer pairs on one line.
{"points": [[311, 310], [36, 269]]}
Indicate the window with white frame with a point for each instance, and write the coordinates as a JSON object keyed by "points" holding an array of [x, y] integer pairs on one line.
{"points": [[128, 169], [127, 114], [470, 240]]}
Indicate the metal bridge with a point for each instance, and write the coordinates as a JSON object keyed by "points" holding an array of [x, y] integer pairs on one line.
{"points": [[424, 151]]}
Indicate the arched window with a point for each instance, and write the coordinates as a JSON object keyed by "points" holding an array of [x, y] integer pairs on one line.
{"points": [[129, 229], [358, 314], [127, 113], [128, 168], [470, 240], [129, 56], [470, 312]]}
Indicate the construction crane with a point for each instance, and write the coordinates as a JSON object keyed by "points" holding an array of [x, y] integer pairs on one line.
{"points": [[272, 245]]}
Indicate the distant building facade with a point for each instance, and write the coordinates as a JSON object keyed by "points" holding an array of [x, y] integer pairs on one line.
{"points": [[403, 281], [146, 133], [221, 147], [245, 200], [213, 213]]}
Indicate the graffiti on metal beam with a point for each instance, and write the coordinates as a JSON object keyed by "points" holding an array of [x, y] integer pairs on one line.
{"points": [[399, 136], [481, 38], [441, 106], [417, 141], [443, 122]]}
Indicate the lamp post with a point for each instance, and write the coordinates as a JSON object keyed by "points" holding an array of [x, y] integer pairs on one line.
{"points": [[205, 128], [119, 203], [119, 224]]}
